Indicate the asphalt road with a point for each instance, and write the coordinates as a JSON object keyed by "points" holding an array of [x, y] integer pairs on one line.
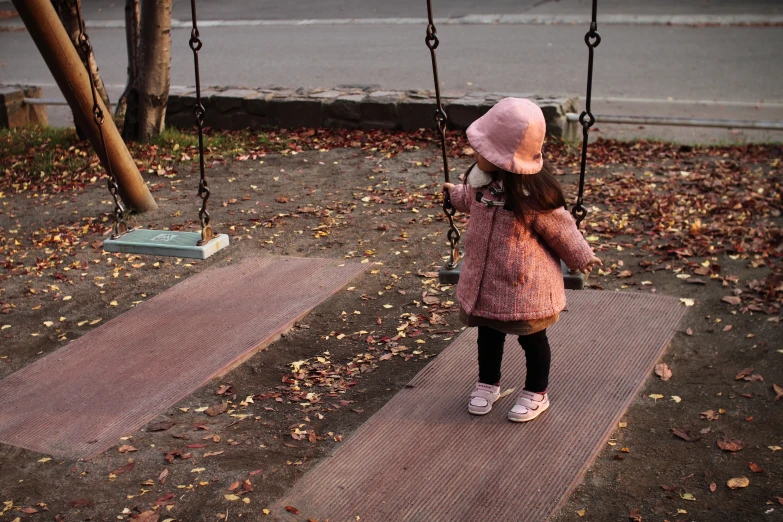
{"points": [[640, 67]]}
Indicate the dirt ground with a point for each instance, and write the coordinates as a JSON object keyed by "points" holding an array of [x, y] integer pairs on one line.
{"points": [[700, 224]]}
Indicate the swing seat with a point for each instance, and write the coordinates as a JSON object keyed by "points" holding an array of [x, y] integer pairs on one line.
{"points": [[573, 279], [165, 243], [449, 275]]}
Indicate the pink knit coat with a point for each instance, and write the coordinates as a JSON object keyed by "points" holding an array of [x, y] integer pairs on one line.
{"points": [[511, 270]]}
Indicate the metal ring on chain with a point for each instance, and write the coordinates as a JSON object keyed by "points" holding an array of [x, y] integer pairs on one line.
{"points": [[589, 123], [592, 39], [199, 111], [195, 41], [432, 39], [579, 212], [97, 115], [441, 120]]}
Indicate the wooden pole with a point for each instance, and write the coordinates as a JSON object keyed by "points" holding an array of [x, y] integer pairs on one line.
{"points": [[63, 61]]}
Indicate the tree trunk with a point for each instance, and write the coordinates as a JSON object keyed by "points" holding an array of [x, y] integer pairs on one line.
{"points": [[132, 20], [68, 11], [146, 103]]}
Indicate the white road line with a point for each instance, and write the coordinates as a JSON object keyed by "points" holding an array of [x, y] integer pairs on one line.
{"points": [[487, 19], [672, 101]]}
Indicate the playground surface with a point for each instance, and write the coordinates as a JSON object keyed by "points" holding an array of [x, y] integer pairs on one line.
{"points": [[700, 225]]}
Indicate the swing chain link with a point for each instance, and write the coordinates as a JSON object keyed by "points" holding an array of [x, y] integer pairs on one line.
{"points": [[119, 227], [586, 118], [441, 122], [199, 111]]}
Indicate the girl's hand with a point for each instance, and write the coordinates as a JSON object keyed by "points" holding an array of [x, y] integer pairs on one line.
{"points": [[589, 266], [448, 186]]}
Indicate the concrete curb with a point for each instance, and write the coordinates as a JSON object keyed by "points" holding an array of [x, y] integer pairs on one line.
{"points": [[353, 107]]}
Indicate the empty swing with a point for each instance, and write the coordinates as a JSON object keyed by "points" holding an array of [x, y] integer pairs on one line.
{"points": [[450, 271], [160, 242]]}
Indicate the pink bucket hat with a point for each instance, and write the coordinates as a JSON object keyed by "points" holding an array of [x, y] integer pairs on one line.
{"points": [[510, 136]]}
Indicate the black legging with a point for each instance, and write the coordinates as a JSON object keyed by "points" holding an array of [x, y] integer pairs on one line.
{"points": [[537, 357]]}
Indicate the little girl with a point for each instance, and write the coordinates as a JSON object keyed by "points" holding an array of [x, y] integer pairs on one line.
{"points": [[511, 280]]}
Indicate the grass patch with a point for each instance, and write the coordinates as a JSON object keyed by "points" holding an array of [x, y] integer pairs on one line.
{"points": [[215, 142], [35, 140]]}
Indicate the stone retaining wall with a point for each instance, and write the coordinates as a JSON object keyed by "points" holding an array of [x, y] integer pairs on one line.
{"points": [[15, 113], [234, 108]]}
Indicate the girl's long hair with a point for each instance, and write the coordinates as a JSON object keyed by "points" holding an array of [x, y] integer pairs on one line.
{"points": [[531, 192]]}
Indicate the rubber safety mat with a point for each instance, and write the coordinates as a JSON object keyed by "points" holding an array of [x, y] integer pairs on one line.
{"points": [[78, 401], [422, 457]]}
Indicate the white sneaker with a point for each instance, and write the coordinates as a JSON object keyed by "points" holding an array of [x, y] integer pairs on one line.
{"points": [[529, 405], [482, 398]]}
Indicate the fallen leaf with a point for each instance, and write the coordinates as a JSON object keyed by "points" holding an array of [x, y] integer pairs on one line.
{"points": [[624, 274], [687, 496], [231, 497], [28, 510], [213, 453], [163, 475], [662, 370], [738, 482], [709, 415], [731, 299], [686, 435], [686, 301], [778, 391], [688, 332], [122, 469], [635, 516], [741, 375], [160, 426], [755, 467], [148, 516], [292, 509], [126, 448], [713, 487], [224, 388], [732, 445], [580, 512], [655, 396], [216, 409]]}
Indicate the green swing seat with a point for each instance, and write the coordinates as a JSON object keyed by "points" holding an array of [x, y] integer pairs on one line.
{"points": [[165, 243]]}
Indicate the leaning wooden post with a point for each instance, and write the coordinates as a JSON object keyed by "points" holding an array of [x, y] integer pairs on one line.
{"points": [[63, 61]]}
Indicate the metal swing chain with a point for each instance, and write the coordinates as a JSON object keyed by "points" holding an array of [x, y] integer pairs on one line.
{"points": [[120, 227], [199, 111], [592, 39], [441, 120]]}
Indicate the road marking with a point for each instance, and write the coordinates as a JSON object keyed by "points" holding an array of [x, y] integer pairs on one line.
{"points": [[673, 101], [486, 19]]}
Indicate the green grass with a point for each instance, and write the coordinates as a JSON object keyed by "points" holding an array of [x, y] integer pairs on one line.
{"points": [[217, 142], [22, 140]]}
